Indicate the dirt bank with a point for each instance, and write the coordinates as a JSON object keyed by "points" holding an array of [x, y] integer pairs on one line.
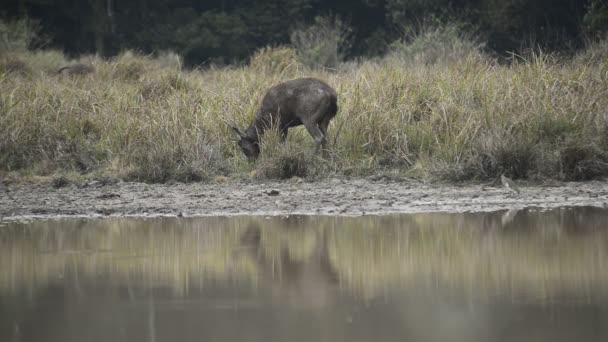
{"points": [[330, 197]]}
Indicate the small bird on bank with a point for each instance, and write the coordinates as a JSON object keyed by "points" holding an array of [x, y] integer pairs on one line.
{"points": [[509, 183]]}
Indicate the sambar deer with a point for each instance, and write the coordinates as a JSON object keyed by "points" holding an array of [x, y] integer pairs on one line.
{"points": [[303, 101]]}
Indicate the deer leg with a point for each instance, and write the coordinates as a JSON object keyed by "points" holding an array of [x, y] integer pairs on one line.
{"points": [[323, 127], [317, 134], [284, 134]]}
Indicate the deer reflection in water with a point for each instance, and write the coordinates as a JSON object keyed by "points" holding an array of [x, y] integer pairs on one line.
{"points": [[301, 275]]}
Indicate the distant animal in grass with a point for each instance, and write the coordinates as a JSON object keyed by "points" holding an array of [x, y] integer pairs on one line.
{"points": [[76, 69], [304, 101], [509, 183]]}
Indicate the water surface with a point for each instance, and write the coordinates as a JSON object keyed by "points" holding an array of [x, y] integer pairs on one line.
{"points": [[523, 275]]}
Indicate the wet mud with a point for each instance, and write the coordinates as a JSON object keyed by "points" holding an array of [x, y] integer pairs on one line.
{"points": [[328, 197]]}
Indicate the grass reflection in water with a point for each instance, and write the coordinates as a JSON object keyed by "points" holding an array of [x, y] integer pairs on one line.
{"points": [[532, 254]]}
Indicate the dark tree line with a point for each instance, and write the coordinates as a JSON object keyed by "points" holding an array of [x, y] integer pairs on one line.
{"points": [[229, 30]]}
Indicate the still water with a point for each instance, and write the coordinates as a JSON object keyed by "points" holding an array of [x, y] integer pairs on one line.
{"points": [[525, 275]]}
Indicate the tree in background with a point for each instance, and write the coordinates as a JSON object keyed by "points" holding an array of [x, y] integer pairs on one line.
{"points": [[323, 44], [518, 24], [596, 18], [230, 30]]}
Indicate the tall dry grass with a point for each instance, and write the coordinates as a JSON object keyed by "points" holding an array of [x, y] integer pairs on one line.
{"points": [[468, 118]]}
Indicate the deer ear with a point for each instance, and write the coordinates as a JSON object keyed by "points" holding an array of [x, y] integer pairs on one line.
{"points": [[237, 132]]}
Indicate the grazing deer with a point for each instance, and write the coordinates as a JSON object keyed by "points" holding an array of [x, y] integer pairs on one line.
{"points": [[304, 101]]}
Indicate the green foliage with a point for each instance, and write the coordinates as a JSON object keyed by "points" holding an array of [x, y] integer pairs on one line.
{"points": [[515, 25], [509, 25], [596, 18], [437, 44], [213, 35], [324, 44], [401, 12], [199, 37], [270, 21], [595, 53], [219, 32], [18, 35]]}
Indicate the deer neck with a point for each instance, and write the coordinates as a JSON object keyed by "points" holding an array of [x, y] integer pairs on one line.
{"points": [[255, 130]]}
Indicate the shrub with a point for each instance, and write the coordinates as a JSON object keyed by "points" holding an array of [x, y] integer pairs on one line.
{"points": [[19, 35], [14, 65], [595, 20], [323, 44], [495, 153], [595, 53], [274, 60], [281, 160], [169, 60], [161, 84], [580, 163], [437, 44], [130, 67], [162, 162], [60, 181]]}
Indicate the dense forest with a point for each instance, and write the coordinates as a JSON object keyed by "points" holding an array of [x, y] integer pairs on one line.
{"points": [[223, 31]]}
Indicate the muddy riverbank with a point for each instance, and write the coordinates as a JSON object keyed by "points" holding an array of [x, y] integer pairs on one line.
{"points": [[329, 197]]}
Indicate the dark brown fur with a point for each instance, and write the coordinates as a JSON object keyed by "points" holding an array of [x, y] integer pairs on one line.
{"points": [[304, 101]]}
